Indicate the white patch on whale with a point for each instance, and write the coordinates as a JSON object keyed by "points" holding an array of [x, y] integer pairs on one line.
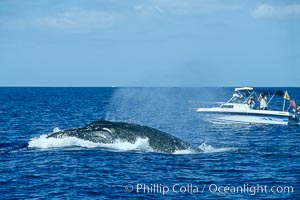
{"points": [[107, 129]]}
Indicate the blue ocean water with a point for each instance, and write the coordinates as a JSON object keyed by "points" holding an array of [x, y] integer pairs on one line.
{"points": [[236, 159]]}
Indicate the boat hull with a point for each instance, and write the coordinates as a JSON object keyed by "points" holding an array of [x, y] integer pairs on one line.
{"points": [[247, 119], [251, 116]]}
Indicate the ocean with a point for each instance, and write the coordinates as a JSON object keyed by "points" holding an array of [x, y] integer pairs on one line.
{"points": [[241, 161]]}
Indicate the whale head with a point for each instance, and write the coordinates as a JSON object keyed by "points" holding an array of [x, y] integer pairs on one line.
{"points": [[107, 132]]}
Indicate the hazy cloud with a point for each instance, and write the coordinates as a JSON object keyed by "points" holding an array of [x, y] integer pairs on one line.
{"points": [[148, 10], [72, 20], [277, 12], [77, 19], [185, 7]]}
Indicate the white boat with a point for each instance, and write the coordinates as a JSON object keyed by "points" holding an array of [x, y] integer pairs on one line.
{"points": [[242, 108]]}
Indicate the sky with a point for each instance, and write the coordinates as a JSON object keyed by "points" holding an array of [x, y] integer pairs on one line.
{"points": [[183, 43]]}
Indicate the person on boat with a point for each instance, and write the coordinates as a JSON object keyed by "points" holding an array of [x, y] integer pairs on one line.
{"points": [[251, 102], [263, 101], [296, 108]]}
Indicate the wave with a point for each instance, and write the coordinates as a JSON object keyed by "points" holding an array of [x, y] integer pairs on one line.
{"points": [[9, 147], [141, 144]]}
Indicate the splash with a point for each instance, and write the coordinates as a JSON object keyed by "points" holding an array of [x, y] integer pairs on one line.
{"points": [[141, 144], [210, 149], [186, 151], [56, 129], [204, 148], [43, 142]]}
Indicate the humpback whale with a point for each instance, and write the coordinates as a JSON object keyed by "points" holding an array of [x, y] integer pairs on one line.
{"points": [[107, 132]]}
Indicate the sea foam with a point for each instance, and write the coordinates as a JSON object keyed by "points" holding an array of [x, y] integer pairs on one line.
{"points": [[44, 143], [210, 149]]}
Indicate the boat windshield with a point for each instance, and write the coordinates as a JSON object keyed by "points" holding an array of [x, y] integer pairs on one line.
{"points": [[237, 100], [240, 96]]}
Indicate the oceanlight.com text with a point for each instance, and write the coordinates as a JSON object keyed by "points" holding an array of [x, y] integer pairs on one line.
{"points": [[210, 188]]}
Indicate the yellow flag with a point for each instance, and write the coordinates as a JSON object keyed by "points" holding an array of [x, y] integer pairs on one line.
{"points": [[286, 96]]}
